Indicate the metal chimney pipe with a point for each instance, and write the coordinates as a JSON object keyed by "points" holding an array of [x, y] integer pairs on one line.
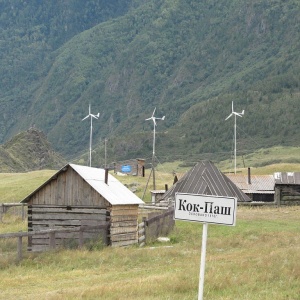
{"points": [[249, 176], [106, 176]]}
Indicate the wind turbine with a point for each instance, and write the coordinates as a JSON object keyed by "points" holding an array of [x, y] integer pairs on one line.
{"points": [[91, 116], [233, 113], [153, 118]]}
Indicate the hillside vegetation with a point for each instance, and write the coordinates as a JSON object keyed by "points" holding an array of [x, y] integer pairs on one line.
{"points": [[27, 151], [190, 59]]}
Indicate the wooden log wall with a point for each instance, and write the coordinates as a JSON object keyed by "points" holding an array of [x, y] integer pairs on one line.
{"points": [[289, 194], [123, 225], [43, 217], [142, 232], [52, 236]]}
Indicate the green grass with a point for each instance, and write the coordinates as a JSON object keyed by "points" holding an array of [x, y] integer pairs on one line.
{"points": [[257, 259], [14, 187], [266, 161]]}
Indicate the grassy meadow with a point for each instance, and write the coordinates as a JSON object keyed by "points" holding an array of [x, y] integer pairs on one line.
{"points": [[258, 259], [14, 187]]}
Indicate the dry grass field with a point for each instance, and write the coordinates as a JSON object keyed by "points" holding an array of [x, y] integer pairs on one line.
{"points": [[257, 259]]}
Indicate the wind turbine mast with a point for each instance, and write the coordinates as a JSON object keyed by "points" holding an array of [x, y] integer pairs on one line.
{"points": [[153, 118], [90, 115], [233, 113]]}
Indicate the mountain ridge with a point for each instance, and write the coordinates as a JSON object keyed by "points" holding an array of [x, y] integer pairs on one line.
{"points": [[190, 60], [29, 151]]}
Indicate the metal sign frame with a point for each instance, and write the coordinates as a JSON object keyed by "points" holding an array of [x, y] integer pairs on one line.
{"points": [[205, 209]]}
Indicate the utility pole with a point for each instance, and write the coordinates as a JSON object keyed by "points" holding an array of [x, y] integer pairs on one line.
{"points": [[105, 153], [153, 153]]}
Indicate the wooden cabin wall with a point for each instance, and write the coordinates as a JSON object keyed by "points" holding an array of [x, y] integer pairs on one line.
{"points": [[66, 202], [288, 194], [43, 217], [124, 225], [68, 189]]}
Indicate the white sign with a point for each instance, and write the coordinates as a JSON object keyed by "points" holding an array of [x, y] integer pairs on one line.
{"points": [[205, 209]]}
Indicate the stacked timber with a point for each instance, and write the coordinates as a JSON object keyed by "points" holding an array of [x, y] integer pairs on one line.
{"points": [[44, 217], [288, 194], [123, 225]]}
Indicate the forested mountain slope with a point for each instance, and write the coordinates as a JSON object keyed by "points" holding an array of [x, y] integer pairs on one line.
{"points": [[190, 59]]}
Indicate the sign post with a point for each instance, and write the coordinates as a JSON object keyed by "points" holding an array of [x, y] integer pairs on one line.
{"points": [[202, 261], [207, 210]]}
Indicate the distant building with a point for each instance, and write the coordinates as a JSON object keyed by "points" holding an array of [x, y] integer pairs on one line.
{"points": [[282, 188], [259, 188], [206, 179], [135, 167], [287, 188]]}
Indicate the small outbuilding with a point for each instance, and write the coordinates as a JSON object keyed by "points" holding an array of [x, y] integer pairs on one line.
{"points": [[259, 188], [135, 167], [287, 188], [282, 188], [206, 179], [83, 196]]}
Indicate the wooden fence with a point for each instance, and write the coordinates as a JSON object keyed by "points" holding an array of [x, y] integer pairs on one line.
{"points": [[17, 209], [155, 225], [51, 234]]}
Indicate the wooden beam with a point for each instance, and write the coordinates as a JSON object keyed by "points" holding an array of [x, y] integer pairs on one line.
{"points": [[19, 255]]}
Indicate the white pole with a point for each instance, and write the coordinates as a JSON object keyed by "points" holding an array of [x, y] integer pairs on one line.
{"points": [[91, 132], [234, 144], [153, 158], [91, 141], [202, 262]]}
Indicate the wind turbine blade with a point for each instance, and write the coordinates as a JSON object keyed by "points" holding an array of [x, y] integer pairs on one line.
{"points": [[98, 115], [154, 112], [237, 114], [228, 116], [163, 117], [148, 119], [93, 116], [232, 106], [85, 117], [243, 112]]}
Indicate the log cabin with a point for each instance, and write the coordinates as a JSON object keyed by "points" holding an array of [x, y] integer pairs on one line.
{"points": [[79, 196]]}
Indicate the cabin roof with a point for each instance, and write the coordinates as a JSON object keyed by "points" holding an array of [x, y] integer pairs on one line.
{"points": [[114, 191], [287, 178], [259, 184], [205, 178]]}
